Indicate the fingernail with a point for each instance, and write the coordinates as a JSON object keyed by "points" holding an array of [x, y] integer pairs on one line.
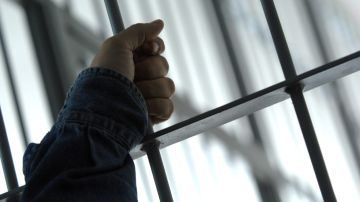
{"points": [[156, 21], [156, 47]]}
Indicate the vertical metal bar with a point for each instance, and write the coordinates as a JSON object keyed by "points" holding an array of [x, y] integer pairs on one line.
{"points": [[114, 14], [12, 87], [6, 158], [298, 100], [278, 36], [152, 149], [158, 171]]}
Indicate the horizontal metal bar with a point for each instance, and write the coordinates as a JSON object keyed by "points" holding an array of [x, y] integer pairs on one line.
{"points": [[245, 106], [11, 193], [251, 103]]}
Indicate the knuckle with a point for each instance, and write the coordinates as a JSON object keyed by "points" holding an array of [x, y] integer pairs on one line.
{"points": [[161, 42], [159, 62], [170, 85], [145, 64], [161, 108], [109, 41], [136, 26], [114, 41], [163, 81], [170, 108], [164, 63]]}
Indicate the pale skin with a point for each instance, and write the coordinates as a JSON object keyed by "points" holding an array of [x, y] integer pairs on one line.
{"points": [[135, 53]]}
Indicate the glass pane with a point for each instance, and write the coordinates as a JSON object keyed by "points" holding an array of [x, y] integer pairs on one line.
{"points": [[340, 27], [319, 31], [145, 183], [91, 13], [213, 166], [28, 84], [3, 187], [10, 118], [227, 163], [287, 153], [300, 36], [251, 39], [340, 145], [28, 81]]}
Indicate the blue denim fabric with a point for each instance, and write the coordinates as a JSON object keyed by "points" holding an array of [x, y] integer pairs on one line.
{"points": [[85, 156]]}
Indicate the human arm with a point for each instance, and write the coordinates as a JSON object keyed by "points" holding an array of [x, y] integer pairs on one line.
{"points": [[85, 155]]}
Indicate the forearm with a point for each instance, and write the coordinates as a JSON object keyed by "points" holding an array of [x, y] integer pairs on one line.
{"points": [[85, 155]]}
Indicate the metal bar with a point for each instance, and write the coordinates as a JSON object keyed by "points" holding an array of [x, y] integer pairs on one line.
{"points": [[113, 11], [13, 87], [298, 100], [152, 149], [251, 103], [6, 158], [12, 193], [278, 36], [312, 143], [158, 171]]}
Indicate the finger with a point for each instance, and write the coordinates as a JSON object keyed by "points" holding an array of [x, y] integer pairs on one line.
{"points": [[161, 43], [136, 35], [151, 48], [151, 68], [158, 88], [155, 120], [160, 108], [154, 47]]}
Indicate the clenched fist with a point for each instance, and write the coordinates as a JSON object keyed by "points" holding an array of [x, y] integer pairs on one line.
{"points": [[135, 53]]}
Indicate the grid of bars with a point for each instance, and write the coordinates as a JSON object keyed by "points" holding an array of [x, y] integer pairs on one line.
{"points": [[292, 87]]}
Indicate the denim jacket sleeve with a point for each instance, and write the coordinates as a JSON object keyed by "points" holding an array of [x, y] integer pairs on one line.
{"points": [[85, 156]]}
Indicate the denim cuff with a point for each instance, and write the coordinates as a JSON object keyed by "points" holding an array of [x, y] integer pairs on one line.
{"points": [[106, 99]]}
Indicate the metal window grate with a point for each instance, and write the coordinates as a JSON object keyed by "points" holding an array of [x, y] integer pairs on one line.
{"points": [[293, 88]]}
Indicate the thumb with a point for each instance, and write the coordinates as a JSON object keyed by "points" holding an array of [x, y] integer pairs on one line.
{"points": [[137, 34]]}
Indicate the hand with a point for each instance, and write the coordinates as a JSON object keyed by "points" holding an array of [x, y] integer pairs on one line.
{"points": [[135, 53]]}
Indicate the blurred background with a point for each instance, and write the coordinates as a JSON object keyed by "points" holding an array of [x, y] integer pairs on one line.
{"points": [[218, 51]]}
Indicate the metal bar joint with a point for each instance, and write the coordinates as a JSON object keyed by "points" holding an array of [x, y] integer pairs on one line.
{"points": [[158, 170]]}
